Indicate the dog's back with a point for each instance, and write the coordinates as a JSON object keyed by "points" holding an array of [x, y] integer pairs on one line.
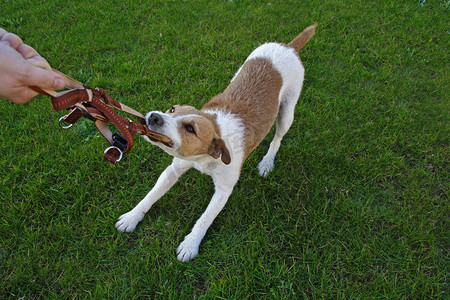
{"points": [[272, 75], [253, 97]]}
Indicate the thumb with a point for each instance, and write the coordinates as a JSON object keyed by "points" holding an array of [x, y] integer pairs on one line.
{"points": [[43, 78]]}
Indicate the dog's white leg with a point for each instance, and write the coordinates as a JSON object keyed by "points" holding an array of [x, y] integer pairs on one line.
{"points": [[188, 249], [284, 122], [127, 222]]}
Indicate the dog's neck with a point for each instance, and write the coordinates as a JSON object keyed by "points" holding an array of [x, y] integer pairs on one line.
{"points": [[231, 131]]}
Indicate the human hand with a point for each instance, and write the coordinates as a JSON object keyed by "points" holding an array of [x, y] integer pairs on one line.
{"points": [[21, 68]]}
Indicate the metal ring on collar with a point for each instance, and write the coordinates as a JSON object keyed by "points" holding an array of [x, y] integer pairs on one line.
{"points": [[62, 119], [118, 149]]}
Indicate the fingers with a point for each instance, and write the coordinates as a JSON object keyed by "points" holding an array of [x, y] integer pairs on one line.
{"points": [[25, 96], [27, 52], [40, 62], [23, 68], [2, 33], [44, 79], [33, 57], [13, 40]]}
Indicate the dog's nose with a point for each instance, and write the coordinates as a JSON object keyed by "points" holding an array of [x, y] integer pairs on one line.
{"points": [[155, 119]]}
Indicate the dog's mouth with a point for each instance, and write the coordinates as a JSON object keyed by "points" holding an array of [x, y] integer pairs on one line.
{"points": [[160, 138]]}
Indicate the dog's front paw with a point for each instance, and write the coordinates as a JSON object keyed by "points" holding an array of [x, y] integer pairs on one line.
{"points": [[265, 166], [127, 222], [188, 249]]}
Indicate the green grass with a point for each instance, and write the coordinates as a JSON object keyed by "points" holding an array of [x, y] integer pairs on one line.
{"points": [[357, 206]]}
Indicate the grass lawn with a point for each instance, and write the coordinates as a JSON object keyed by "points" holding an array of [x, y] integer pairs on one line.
{"points": [[357, 206]]}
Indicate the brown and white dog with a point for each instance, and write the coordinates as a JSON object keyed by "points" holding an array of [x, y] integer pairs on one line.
{"points": [[230, 126]]}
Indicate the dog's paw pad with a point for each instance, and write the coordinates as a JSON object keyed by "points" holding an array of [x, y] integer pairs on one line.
{"points": [[127, 222], [265, 166], [187, 250]]}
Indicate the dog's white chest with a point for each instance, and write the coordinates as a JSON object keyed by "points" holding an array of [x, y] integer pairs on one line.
{"points": [[206, 166]]}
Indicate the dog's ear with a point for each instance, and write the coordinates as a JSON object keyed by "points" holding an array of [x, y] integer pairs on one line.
{"points": [[218, 148]]}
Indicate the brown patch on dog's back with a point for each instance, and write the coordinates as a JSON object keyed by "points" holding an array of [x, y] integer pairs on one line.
{"points": [[253, 97]]}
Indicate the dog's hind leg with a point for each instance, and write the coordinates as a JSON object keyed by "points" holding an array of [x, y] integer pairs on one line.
{"points": [[284, 121]]}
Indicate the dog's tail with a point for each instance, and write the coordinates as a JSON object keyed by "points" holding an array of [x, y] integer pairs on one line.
{"points": [[303, 38]]}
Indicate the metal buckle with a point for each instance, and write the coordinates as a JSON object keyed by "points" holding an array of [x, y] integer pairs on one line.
{"points": [[119, 141], [62, 119], [118, 149]]}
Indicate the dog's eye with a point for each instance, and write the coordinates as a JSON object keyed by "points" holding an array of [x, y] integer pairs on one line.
{"points": [[189, 128], [172, 110]]}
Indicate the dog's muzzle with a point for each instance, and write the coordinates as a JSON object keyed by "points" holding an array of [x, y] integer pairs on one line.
{"points": [[155, 120]]}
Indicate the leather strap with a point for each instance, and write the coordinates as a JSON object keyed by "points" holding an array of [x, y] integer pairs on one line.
{"points": [[119, 122], [96, 105], [69, 99], [73, 116]]}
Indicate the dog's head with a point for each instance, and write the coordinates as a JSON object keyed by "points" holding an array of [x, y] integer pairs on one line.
{"points": [[193, 133]]}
